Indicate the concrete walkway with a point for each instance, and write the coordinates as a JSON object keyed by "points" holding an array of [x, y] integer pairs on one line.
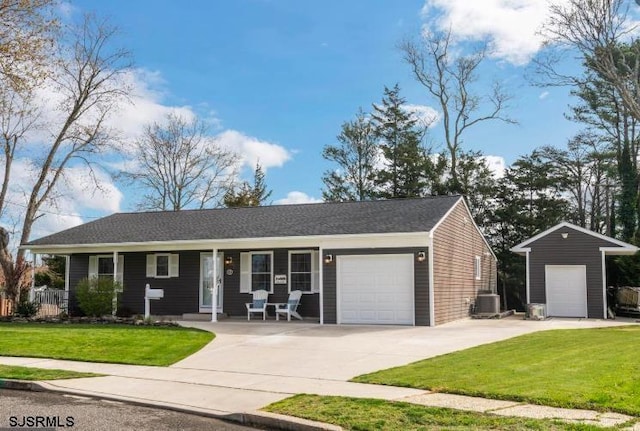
{"points": [[250, 365]]}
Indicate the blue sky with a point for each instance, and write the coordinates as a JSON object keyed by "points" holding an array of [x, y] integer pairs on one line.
{"points": [[277, 78]]}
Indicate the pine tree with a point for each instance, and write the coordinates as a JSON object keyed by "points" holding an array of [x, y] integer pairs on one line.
{"points": [[249, 195], [400, 142]]}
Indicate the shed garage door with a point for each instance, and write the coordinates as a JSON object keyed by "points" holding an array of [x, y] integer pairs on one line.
{"points": [[566, 290], [375, 289]]}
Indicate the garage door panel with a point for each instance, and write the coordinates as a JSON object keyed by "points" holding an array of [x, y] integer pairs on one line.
{"points": [[376, 289], [566, 290]]}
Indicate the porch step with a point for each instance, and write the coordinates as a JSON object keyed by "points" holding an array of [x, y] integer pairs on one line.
{"points": [[201, 317]]}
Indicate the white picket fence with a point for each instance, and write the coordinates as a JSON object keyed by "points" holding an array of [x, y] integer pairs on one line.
{"points": [[52, 302]]}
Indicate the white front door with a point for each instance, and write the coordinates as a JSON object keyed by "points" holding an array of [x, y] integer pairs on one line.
{"points": [[206, 273], [566, 290]]}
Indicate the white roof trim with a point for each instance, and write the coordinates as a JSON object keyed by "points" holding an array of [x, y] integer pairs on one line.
{"points": [[622, 247], [224, 243]]}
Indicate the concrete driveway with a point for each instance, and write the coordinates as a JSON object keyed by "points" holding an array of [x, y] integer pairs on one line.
{"points": [[252, 364], [332, 352]]}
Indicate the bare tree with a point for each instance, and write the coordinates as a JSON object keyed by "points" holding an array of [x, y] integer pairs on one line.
{"points": [[600, 32], [27, 31], [181, 167], [87, 81], [449, 79]]}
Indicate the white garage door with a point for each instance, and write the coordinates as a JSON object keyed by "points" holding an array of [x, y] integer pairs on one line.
{"points": [[375, 289], [566, 290]]}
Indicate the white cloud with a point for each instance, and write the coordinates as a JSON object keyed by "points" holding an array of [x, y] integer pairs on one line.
{"points": [[297, 198], [426, 115], [496, 164], [74, 194], [252, 150], [543, 95], [510, 26]]}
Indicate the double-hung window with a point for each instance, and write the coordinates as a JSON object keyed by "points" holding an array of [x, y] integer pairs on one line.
{"points": [[163, 265], [101, 266], [303, 271], [477, 268], [256, 271]]}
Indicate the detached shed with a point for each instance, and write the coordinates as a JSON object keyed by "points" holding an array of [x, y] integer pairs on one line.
{"points": [[566, 269]]}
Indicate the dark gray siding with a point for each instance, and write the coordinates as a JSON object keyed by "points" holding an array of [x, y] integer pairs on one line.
{"points": [[78, 269], [421, 281], [233, 302], [181, 294], [578, 249]]}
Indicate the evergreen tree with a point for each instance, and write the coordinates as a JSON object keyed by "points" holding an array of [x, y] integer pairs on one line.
{"points": [[248, 195], [400, 142]]}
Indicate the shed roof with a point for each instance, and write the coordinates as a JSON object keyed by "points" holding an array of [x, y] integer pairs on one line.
{"points": [[384, 216]]}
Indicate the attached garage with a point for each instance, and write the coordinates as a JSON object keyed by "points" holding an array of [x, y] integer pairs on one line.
{"points": [[566, 270], [566, 290], [375, 289]]}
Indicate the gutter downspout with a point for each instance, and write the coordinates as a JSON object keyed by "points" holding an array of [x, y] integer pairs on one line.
{"points": [[604, 288], [432, 300], [528, 281]]}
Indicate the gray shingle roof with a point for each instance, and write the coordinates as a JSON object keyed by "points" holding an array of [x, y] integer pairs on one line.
{"points": [[390, 216]]}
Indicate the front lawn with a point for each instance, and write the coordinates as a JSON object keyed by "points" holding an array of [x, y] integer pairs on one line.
{"points": [[582, 368], [122, 344], [369, 414], [27, 373]]}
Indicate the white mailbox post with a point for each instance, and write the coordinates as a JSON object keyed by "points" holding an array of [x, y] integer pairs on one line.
{"points": [[150, 294]]}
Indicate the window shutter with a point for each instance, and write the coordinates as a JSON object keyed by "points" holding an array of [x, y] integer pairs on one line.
{"points": [[93, 266], [151, 266], [315, 272], [120, 270], [174, 265], [245, 272]]}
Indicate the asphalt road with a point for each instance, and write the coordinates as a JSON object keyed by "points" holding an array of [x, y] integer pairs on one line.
{"points": [[32, 410]]}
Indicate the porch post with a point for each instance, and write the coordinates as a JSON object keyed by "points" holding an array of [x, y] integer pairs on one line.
{"points": [[321, 282], [67, 268], [32, 290], [214, 286], [114, 300]]}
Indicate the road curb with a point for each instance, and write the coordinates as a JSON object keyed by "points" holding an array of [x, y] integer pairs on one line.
{"points": [[258, 419], [22, 385]]}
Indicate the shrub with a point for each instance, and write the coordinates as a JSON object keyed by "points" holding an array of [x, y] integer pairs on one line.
{"points": [[27, 308], [95, 295]]}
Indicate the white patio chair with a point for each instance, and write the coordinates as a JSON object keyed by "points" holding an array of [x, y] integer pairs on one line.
{"points": [[291, 307], [259, 304]]}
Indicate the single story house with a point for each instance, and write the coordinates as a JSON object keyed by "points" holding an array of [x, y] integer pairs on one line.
{"points": [[405, 261], [566, 269]]}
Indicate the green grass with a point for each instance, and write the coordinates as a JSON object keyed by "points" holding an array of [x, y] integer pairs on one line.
{"points": [[584, 368], [369, 414], [137, 345], [27, 373]]}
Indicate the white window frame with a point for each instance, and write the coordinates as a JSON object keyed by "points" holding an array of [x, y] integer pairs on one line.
{"points": [[246, 274], [173, 269], [314, 271], [96, 265], [104, 274], [477, 268]]}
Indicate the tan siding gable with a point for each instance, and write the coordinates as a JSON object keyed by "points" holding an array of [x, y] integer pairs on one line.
{"points": [[456, 243]]}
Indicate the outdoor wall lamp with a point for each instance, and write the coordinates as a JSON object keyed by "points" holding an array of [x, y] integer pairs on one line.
{"points": [[565, 235], [328, 258], [422, 256], [228, 260]]}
